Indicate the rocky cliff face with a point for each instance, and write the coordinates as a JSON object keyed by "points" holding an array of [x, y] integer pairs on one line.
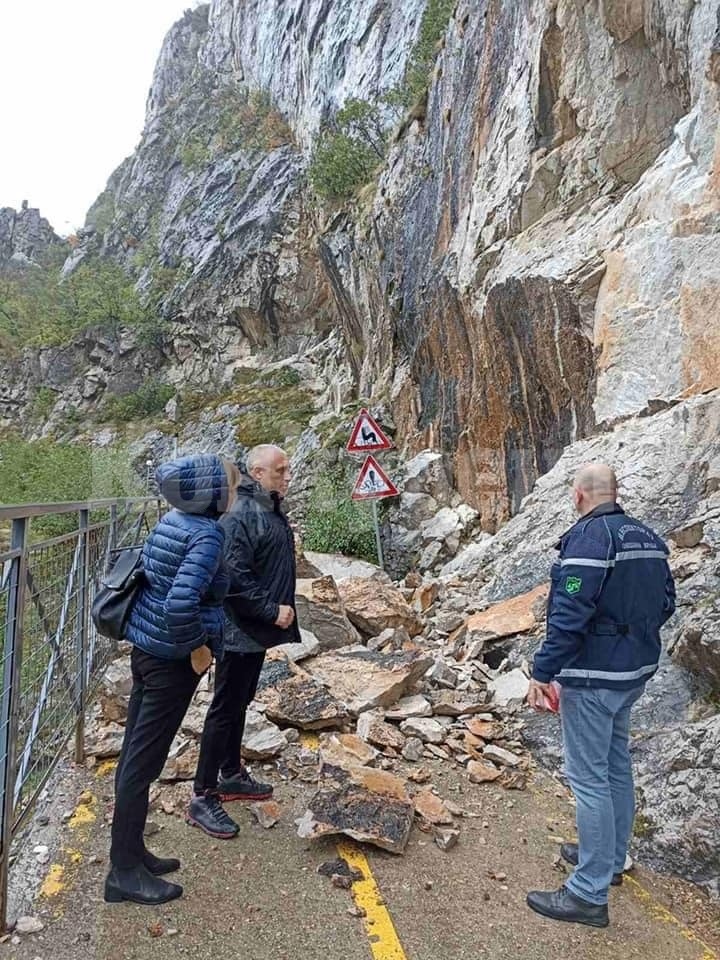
{"points": [[538, 260], [530, 282], [25, 238], [547, 235]]}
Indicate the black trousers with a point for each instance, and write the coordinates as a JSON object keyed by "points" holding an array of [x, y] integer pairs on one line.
{"points": [[161, 693], [236, 680]]}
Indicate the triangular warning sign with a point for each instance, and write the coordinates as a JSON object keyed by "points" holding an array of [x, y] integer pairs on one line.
{"points": [[373, 483], [366, 436]]}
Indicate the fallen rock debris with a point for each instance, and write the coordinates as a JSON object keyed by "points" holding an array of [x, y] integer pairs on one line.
{"points": [[391, 676]]}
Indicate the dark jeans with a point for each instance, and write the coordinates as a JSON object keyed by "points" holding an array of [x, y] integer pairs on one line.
{"points": [[161, 693], [236, 680]]}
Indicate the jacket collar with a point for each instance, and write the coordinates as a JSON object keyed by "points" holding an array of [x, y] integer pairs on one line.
{"points": [[601, 510], [251, 488]]}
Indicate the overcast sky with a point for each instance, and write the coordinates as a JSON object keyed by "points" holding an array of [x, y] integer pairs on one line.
{"points": [[74, 77]]}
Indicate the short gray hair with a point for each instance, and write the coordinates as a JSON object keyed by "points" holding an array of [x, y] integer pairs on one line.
{"points": [[257, 454]]}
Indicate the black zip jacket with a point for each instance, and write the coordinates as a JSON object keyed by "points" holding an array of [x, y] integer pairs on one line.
{"points": [[260, 561]]}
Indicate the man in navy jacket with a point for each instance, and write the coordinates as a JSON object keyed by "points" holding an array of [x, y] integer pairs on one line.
{"points": [[611, 592]]}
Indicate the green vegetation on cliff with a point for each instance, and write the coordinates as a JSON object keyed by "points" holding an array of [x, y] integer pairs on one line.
{"points": [[433, 28], [273, 407], [336, 524], [349, 151], [149, 399], [37, 308], [43, 471], [232, 118], [354, 144]]}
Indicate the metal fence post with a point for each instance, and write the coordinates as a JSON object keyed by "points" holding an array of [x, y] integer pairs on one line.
{"points": [[113, 538], [81, 636], [12, 664]]}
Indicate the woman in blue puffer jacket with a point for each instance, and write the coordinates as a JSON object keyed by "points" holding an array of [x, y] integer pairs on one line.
{"points": [[175, 626]]}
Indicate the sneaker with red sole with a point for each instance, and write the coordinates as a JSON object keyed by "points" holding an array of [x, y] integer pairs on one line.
{"points": [[243, 786]]}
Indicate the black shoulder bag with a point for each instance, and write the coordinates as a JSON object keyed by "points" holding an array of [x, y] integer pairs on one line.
{"points": [[116, 593]]}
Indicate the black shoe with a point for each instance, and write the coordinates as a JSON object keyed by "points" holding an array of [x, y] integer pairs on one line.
{"points": [[139, 886], [563, 905], [159, 866], [206, 812], [243, 786], [570, 853]]}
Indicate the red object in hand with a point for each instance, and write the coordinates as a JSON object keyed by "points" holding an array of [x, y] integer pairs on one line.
{"points": [[552, 699]]}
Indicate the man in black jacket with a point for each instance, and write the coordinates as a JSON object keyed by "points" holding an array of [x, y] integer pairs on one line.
{"points": [[260, 607]]}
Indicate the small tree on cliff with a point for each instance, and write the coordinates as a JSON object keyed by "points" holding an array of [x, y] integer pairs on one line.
{"points": [[349, 150]]}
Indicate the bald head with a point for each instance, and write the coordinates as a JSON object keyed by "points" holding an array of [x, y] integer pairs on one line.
{"points": [[594, 483], [270, 467]]}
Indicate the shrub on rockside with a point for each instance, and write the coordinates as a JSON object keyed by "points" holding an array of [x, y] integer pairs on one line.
{"points": [[150, 398], [433, 27], [336, 524]]}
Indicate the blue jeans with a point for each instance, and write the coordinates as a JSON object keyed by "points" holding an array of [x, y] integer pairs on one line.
{"points": [[596, 731]]}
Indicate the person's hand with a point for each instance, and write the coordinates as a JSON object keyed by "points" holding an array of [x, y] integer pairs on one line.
{"points": [[537, 693], [201, 660], [285, 616]]}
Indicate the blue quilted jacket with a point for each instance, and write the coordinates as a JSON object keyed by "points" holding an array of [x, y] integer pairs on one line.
{"points": [[180, 606]]}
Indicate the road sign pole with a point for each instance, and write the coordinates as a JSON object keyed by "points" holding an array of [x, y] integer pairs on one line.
{"points": [[378, 541]]}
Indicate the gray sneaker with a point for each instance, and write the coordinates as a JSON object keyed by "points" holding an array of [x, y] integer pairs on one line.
{"points": [[243, 786], [206, 812]]}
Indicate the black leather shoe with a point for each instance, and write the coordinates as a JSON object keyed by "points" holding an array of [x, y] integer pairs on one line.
{"points": [[563, 905], [570, 853], [206, 812], [139, 886], [159, 866]]}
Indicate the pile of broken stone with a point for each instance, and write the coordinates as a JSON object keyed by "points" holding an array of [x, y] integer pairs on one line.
{"points": [[391, 681]]}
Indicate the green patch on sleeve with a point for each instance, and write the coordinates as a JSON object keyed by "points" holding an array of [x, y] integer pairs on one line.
{"points": [[573, 585]]}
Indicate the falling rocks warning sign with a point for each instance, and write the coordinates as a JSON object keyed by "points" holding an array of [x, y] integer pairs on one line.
{"points": [[373, 483]]}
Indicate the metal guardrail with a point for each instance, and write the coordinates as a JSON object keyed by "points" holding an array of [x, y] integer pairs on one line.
{"points": [[51, 657]]}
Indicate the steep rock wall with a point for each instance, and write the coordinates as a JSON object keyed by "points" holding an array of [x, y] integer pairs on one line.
{"points": [[564, 177]]}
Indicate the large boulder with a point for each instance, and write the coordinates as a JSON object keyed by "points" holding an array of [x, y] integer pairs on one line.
{"points": [[426, 474], [678, 780], [518, 615], [365, 679], [365, 804], [262, 740], [303, 702], [414, 509], [341, 568], [321, 611], [372, 606]]}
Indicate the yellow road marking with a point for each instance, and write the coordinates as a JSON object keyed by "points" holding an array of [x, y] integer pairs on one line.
{"points": [[84, 812], [658, 912], [61, 876], [384, 942], [383, 938], [54, 882], [105, 768]]}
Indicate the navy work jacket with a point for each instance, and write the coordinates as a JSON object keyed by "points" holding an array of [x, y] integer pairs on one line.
{"points": [[611, 592]]}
